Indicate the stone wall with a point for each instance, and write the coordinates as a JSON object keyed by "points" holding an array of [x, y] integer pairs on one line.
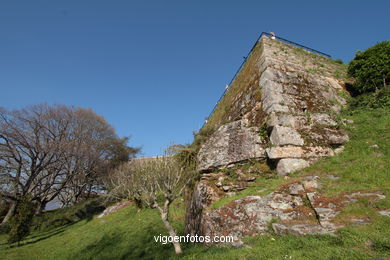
{"points": [[298, 102], [281, 109]]}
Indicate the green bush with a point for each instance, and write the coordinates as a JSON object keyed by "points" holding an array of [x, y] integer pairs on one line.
{"points": [[378, 99], [371, 68], [21, 221], [68, 215]]}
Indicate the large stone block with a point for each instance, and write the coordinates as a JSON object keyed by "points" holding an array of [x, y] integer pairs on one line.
{"points": [[298, 152], [282, 135], [322, 119], [232, 142], [288, 120], [289, 165]]}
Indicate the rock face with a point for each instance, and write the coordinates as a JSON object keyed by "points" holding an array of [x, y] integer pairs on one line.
{"points": [[231, 143], [297, 208], [294, 99]]}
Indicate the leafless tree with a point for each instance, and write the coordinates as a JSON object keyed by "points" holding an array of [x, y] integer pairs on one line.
{"points": [[45, 150], [156, 182]]}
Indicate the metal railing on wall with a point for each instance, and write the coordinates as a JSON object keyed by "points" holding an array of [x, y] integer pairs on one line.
{"points": [[270, 35]]}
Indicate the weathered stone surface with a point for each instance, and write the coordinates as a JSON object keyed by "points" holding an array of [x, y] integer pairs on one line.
{"points": [[202, 196], [245, 177], [322, 119], [226, 188], [231, 143], [288, 165], [272, 98], [311, 183], [298, 152], [334, 83], [296, 189], [248, 216], [385, 213], [337, 138], [300, 229], [294, 102], [114, 208], [339, 150], [252, 215], [288, 120], [282, 135]]}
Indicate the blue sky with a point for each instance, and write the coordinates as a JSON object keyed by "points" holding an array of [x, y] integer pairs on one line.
{"points": [[154, 69]]}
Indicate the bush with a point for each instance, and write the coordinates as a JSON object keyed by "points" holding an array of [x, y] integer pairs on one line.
{"points": [[21, 221], [371, 69], [378, 99], [68, 215]]}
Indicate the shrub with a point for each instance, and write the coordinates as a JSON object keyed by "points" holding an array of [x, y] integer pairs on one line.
{"points": [[21, 221], [68, 215], [371, 68], [378, 99]]}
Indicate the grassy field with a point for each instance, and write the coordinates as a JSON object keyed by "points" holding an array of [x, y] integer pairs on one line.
{"points": [[128, 234]]}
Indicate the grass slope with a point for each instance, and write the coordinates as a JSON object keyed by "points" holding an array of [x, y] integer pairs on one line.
{"points": [[128, 234]]}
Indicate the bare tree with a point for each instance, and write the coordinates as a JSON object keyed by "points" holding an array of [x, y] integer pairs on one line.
{"points": [[45, 150], [157, 182]]}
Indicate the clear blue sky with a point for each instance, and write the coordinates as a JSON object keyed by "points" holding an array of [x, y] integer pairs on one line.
{"points": [[154, 69]]}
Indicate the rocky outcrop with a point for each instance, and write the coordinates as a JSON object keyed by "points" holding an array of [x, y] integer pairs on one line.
{"points": [[114, 208], [296, 208], [296, 102]]}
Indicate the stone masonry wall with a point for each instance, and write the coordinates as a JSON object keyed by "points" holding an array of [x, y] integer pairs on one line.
{"points": [[298, 103], [281, 109]]}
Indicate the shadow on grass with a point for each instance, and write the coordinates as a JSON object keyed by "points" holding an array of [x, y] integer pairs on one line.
{"points": [[41, 236], [136, 244]]}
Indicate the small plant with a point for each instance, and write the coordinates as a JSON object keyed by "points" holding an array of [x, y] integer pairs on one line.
{"points": [[263, 132], [378, 99]]}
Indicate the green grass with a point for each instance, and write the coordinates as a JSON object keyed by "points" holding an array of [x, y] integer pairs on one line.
{"points": [[360, 166], [128, 234]]}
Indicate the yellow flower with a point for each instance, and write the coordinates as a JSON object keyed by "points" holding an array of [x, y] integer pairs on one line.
{"points": [[273, 239]]}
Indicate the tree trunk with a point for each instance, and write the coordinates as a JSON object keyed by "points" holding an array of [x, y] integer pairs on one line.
{"points": [[10, 212], [41, 206], [172, 232]]}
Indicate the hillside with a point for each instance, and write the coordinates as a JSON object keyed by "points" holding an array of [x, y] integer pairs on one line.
{"points": [[362, 166]]}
